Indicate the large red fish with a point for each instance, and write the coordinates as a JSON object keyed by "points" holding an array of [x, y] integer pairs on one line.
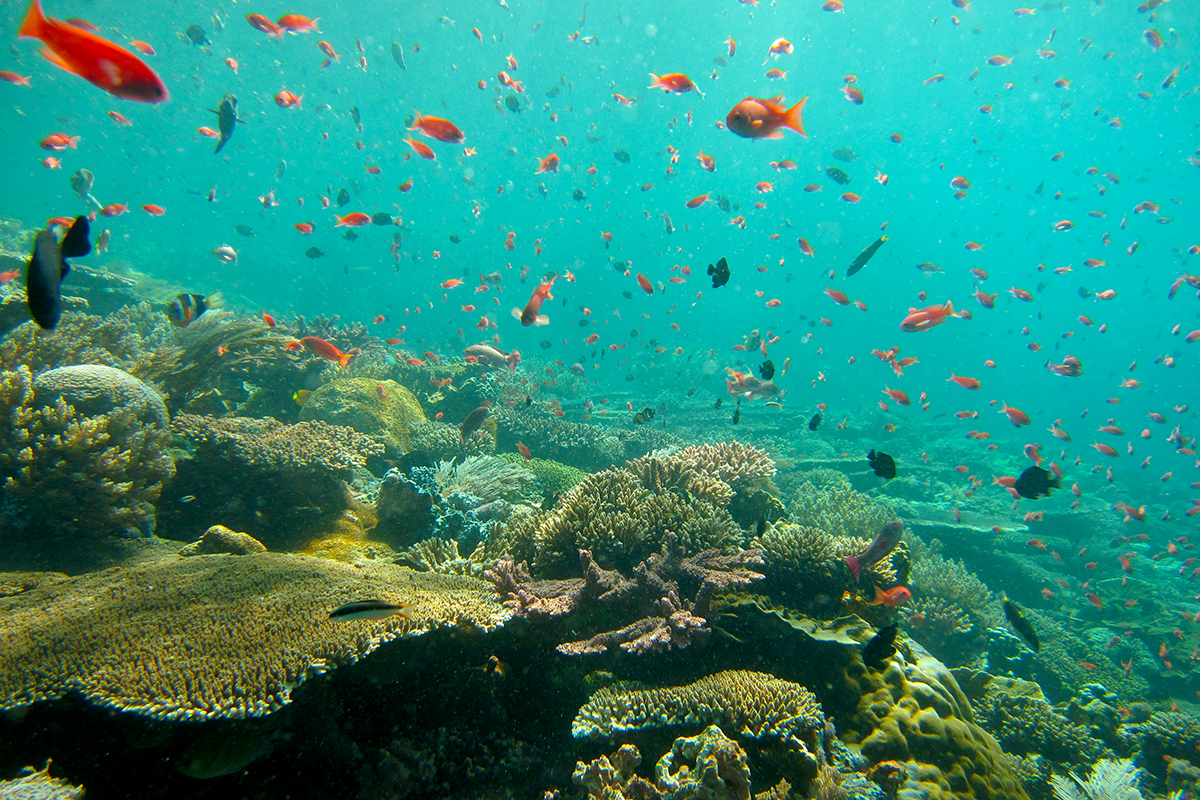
{"points": [[758, 118], [98, 61]]}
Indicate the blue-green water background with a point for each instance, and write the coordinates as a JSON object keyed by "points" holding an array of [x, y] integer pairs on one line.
{"points": [[891, 48]]}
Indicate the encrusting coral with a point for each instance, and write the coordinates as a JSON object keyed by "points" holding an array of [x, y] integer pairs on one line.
{"points": [[67, 473], [383, 409], [213, 636]]}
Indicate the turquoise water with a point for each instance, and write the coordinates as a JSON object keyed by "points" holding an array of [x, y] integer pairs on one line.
{"points": [[1017, 195]]}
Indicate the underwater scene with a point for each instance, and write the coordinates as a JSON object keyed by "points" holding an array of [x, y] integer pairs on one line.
{"points": [[776, 399]]}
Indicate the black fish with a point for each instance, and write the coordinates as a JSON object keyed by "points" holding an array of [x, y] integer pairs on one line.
{"points": [[815, 422], [545, 344], [882, 464], [643, 416], [369, 609], [313, 252], [1021, 625], [416, 458], [1036, 482], [227, 120], [881, 647], [350, 236], [719, 272], [691, 391], [767, 370], [381, 218], [837, 175], [717, 404], [47, 267], [343, 197], [628, 295], [861, 260], [197, 35], [398, 55], [550, 500], [737, 412]]}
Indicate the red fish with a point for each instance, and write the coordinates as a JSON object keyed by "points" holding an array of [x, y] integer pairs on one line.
{"points": [[920, 320], [422, 149], [60, 141], [98, 61], [698, 200], [966, 383], [531, 316], [675, 82], [758, 118], [353, 220], [286, 99], [896, 596], [14, 78], [645, 284], [298, 23], [322, 348], [1015, 415], [261, 23], [437, 128], [547, 164]]}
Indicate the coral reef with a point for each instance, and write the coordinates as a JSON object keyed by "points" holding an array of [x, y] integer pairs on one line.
{"points": [[37, 784], [718, 767], [577, 444], [219, 539], [282, 484], [441, 442], [751, 704], [549, 476], [839, 510], [485, 477], [441, 555], [120, 339], [733, 463], [70, 474], [385, 410], [411, 508], [614, 777], [1110, 779], [944, 629], [1166, 735], [213, 636], [1025, 724]]}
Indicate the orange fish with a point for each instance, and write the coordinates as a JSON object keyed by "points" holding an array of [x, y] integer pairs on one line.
{"points": [[437, 128], [920, 320], [896, 596], [675, 82], [524, 451], [98, 61], [759, 118], [967, 383], [297, 23], [707, 161], [264, 24], [322, 348], [354, 220], [1015, 415], [304, 227], [327, 49], [900, 397], [120, 118], [422, 149], [698, 201], [547, 164], [14, 78], [286, 99], [531, 316], [806, 248], [645, 284], [157, 211]]}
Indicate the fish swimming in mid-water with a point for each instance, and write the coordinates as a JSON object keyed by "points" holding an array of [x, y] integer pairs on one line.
{"points": [[474, 422], [719, 272], [882, 464], [47, 267], [643, 416], [227, 120], [1036, 482], [815, 422], [885, 542], [881, 647], [862, 258], [370, 609], [1016, 618], [767, 370], [187, 308]]}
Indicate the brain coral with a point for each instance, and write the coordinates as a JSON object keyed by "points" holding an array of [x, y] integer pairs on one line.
{"points": [[378, 408], [213, 636], [753, 704], [94, 389]]}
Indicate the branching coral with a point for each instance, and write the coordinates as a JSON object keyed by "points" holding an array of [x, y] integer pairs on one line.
{"points": [[118, 339], [943, 628], [1164, 736], [35, 784], [733, 463], [752, 704], [1027, 725], [839, 510], [441, 555], [69, 474], [213, 635], [441, 441], [578, 444]]}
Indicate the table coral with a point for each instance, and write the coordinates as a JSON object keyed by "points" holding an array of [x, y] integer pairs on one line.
{"points": [[213, 636], [734, 463], [70, 474], [751, 704], [384, 409]]}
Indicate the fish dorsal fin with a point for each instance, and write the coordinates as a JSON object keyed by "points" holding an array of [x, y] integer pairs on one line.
{"points": [[76, 243]]}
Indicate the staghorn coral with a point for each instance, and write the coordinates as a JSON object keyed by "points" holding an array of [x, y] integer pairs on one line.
{"points": [[485, 477], [674, 628], [118, 339], [612, 515], [953, 582], [718, 768], [346, 336], [751, 704], [1028, 725], [839, 510], [69, 474], [385, 410], [213, 636]]}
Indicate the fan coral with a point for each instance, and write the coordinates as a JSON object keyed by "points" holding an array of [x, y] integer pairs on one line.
{"points": [[753, 704], [69, 474], [213, 636], [839, 510]]}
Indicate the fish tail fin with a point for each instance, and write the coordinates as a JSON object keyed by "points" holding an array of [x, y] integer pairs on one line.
{"points": [[855, 567], [880, 597], [34, 22], [417, 121], [344, 359], [950, 309], [300, 100], [794, 118], [214, 300], [341, 221], [655, 81], [512, 360], [541, 319]]}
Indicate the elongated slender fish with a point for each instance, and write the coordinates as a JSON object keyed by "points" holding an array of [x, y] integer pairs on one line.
{"points": [[862, 258], [369, 609], [1016, 618]]}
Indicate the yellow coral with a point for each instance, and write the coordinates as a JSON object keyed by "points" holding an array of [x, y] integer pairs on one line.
{"points": [[213, 635], [378, 408], [839, 510]]}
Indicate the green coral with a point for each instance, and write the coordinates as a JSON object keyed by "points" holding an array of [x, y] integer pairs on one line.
{"points": [[549, 476], [1027, 725], [753, 704], [385, 409], [839, 510]]}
